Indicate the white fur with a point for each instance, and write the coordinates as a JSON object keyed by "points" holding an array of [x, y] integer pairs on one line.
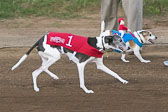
{"points": [[51, 55], [136, 49], [19, 62]]}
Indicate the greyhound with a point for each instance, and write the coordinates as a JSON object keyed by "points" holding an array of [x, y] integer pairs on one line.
{"points": [[77, 48]]}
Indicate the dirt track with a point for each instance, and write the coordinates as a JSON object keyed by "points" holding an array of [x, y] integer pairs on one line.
{"points": [[147, 90]]}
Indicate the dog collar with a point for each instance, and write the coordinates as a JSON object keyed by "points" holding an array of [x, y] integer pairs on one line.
{"points": [[139, 37], [142, 39]]}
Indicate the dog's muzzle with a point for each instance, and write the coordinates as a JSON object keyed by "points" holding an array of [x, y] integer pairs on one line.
{"points": [[151, 41]]}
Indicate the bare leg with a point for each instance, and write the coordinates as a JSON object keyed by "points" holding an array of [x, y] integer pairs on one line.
{"points": [[123, 58], [35, 74], [44, 62], [138, 55], [102, 67], [81, 67], [44, 67]]}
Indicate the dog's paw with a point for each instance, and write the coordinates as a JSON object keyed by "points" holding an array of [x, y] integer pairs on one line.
{"points": [[56, 78], [125, 82], [124, 60], [89, 91], [36, 89], [146, 61], [86, 90]]}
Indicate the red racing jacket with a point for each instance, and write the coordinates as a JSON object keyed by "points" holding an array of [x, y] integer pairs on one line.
{"points": [[73, 42]]}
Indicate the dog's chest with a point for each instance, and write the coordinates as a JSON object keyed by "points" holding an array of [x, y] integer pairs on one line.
{"points": [[73, 42]]}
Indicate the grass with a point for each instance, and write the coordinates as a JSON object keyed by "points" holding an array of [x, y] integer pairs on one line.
{"points": [[155, 7], [51, 8], [67, 8]]}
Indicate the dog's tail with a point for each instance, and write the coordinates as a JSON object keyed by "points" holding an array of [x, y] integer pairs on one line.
{"points": [[24, 56]]}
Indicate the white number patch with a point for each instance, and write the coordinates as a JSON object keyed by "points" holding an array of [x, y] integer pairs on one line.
{"points": [[69, 42]]}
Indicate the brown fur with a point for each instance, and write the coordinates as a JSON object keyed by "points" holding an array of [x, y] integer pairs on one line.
{"points": [[145, 34], [132, 43], [111, 33]]}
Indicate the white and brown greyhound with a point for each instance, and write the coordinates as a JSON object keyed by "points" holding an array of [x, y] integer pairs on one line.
{"points": [[134, 41]]}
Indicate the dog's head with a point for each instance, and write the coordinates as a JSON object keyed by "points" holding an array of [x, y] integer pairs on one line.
{"points": [[114, 42], [146, 36]]}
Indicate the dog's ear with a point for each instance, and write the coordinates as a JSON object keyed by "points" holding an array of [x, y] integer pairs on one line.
{"points": [[108, 39], [145, 33]]}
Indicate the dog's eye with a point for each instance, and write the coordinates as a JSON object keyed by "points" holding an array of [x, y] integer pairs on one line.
{"points": [[150, 34], [120, 40]]}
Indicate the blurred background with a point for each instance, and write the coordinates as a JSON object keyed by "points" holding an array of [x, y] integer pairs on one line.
{"points": [[66, 9], [22, 19]]}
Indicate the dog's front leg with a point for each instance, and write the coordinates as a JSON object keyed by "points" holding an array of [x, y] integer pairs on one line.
{"points": [[123, 58], [102, 67], [81, 67], [138, 55]]}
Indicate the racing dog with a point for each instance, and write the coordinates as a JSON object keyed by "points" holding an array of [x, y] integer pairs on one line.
{"points": [[80, 50], [134, 42]]}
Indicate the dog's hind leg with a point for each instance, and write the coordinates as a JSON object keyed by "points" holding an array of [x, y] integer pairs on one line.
{"points": [[81, 67], [102, 67], [52, 74], [45, 65], [138, 55], [35, 74], [44, 62]]}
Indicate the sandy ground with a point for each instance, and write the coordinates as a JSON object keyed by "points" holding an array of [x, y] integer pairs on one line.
{"points": [[147, 90], [24, 32]]}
